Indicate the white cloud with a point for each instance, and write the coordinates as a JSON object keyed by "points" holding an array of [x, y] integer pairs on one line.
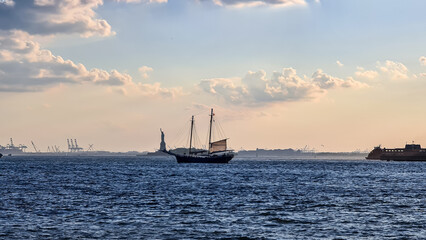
{"points": [[326, 81], [113, 78], [389, 70], [28, 67], [421, 76], [138, 1], [366, 74], [255, 3], [285, 86], [7, 3], [25, 66], [155, 89], [339, 63], [129, 1], [46, 17], [49, 17], [144, 70], [225, 88], [393, 70], [236, 3], [422, 60]]}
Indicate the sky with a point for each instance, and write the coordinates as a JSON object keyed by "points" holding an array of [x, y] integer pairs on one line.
{"points": [[324, 75]]}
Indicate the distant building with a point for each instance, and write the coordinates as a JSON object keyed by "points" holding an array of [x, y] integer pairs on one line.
{"points": [[162, 144]]}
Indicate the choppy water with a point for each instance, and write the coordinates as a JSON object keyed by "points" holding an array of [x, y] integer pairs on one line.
{"points": [[135, 198]]}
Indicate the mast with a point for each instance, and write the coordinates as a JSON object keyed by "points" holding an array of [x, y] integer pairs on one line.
{"points": [[190, 138], [210, 132]]}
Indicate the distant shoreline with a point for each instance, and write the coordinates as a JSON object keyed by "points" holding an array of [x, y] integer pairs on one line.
{"points": [[243, 153]]}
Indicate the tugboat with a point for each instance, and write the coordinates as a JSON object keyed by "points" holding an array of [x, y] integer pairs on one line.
{"points": [[216, 153], [411, 152]]}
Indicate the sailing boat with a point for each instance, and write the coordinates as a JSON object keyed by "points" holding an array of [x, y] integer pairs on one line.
{"points": [[217, 152]]}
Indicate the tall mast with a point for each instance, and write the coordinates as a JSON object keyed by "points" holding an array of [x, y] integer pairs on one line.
{"points": [[210, 132], [190, 139]]}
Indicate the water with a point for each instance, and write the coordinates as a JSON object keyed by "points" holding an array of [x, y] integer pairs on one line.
{"points": [[130, 197]]}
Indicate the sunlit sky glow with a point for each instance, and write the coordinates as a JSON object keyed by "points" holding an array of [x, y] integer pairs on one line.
{"points": [[333, 75]]}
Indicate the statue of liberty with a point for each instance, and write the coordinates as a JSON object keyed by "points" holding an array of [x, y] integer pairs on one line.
{"points": [[162, 144]]}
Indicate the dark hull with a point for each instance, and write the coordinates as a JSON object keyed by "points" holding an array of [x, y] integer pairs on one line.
{"points": [[375, 154], [404, 157], [411, 152], [224, 158], [210, 159]]}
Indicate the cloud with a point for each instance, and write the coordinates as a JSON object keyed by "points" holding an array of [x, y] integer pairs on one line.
{"points": [[366, 74], [129, 1], [26, 67], [393, 70], [7, 3], [236, 3], [255, 3], [102, 77], [339, 63], [389, 70], [284, 86], [422, 60], [144, 70], [138, 1], [46, 17], [325, 81], [155, 89], [225, 88]]}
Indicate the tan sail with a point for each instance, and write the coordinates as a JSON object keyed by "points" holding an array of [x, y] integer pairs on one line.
{"points": [[218, 146]]}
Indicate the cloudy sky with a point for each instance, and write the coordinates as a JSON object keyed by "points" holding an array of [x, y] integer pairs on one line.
{"points": [[332, 75]]}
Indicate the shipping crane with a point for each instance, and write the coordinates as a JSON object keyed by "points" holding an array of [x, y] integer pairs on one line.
{"points": [[35, 148]]}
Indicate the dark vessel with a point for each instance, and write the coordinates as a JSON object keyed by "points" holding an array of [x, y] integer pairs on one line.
{"points": [[1, 155], [217, 152], [375, 153], [411, 152]]}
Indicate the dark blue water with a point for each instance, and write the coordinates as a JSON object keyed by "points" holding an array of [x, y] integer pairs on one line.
{"points": [[135, 198]]}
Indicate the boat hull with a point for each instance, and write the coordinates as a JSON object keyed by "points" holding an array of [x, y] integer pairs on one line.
{"points": [[375, 154], [411, 152], [209, 159], [213, 158], [414, 157]]}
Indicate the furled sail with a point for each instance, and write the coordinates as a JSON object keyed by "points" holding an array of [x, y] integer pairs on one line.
{"points": [[218, 146]]}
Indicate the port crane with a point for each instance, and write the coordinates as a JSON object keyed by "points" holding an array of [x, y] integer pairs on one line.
{"points": [[73, 146], [90, 148], [35, 148], [12, 146]]}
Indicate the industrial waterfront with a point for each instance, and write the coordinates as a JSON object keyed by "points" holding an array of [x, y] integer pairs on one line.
{"points": [[74, 149]]}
